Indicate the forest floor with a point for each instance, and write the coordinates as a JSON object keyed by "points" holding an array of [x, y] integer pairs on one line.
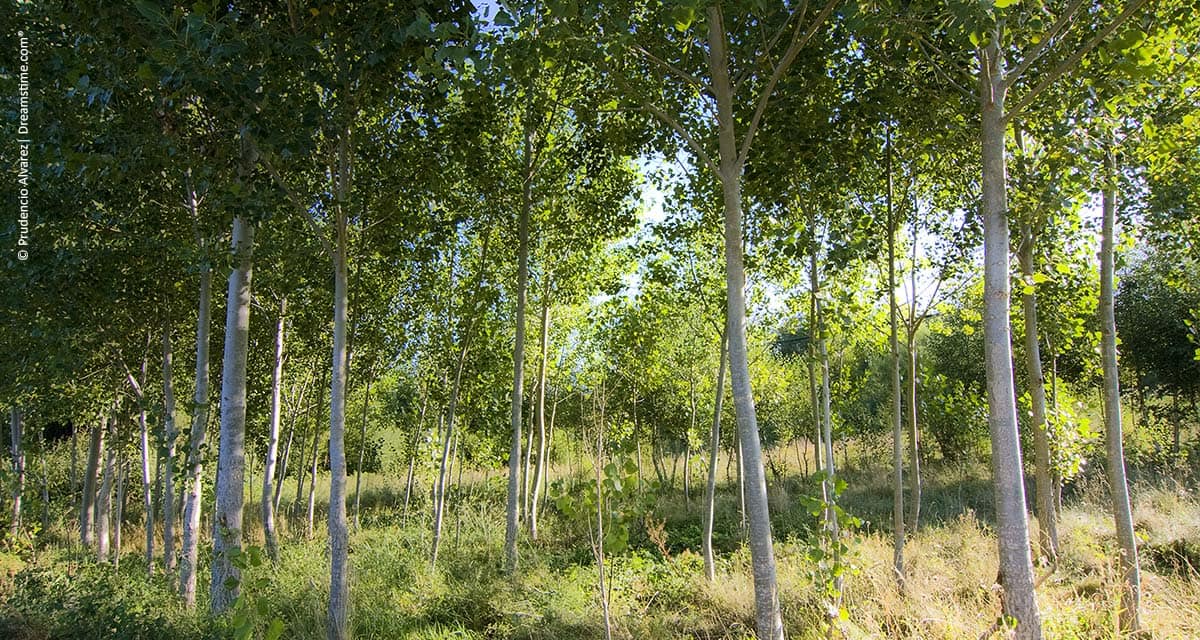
{"points": [[657, 583]]}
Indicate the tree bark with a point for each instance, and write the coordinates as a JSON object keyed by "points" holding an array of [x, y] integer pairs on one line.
{"points": [[169, 435], [147, 487], [769, 622], [714, 448], [914, 433], [119, 516], [897, 409], [87, 508], [1118, 485], [1016, 567], [268, 489], [18, 468], [540, 471], [1047, 518], [227, 515], [829, 486], [514, 457], [104, 502], [339, 578]]}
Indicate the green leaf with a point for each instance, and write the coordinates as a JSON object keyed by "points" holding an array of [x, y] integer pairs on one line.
{"points": [[274, 630], [1004, 4]]}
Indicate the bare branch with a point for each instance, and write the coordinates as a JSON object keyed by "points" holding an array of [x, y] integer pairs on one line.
{"points": [[937, 68], [680, 73], [798, 41], [683, 133], [299, 204], [1044, 45], [1074, 59]]}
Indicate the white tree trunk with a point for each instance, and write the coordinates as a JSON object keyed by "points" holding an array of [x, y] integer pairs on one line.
{"points": [[1012, 528], [268, 488], [227, 515], [714, 449], [540, 471], [1131, 591], [766, 594], [169, 435], [190, 553], [1043, 474], [87, 508], [18, 467], [144, 444], [104, 503], [514, 457], [339, 573], [897, 409]]}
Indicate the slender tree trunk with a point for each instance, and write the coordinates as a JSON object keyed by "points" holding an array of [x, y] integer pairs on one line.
{"points": [[540, 407], [147, 486], [914, 433], [362, 448], [119, 515], [598, 544], [1047, 529], [87, 502], [1016, 567], [897, 409], [268, 489], [339, 574], [1131, 591], [18, 468], [227, 515], [302, 463], [769, 622], [45, 486], [714, 448], [439, 488], [412, 454], [514, 457], [169, 435], [104, 503], [527, 468], [832, 526]]}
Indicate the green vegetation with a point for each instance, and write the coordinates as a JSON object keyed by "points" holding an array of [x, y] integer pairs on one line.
{"points": [[600, 319]]}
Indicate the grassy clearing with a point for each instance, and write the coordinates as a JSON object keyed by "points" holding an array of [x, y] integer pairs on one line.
{"points": [[658, 589]]}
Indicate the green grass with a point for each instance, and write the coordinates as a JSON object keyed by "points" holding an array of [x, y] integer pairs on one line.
{"points": [[397, 594]]}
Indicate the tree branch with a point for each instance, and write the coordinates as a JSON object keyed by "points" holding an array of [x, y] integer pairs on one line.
{"points": [[1044, 45], [1074, 59], [794, 47], [937, 68], [679, 73], [287, 190], [683, 133]]}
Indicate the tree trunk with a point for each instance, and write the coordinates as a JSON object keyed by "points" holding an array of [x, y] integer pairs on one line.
{"points": [[914, 433], [1016, 567], [1047, 529], [769, 622], [169, 434], [189, 554], [518, 388], [227, 515], [147, 487], [897, 409], [362, 448], [104, 503], [1118, 486], [714, 448], [829, 486], [268, 489], [339, 578], [119, 516], [87, 502], [439, 487], [18, 467], [540, 471]]}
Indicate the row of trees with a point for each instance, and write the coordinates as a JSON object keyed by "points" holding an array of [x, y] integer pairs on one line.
{"points": [[442, 177]]}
